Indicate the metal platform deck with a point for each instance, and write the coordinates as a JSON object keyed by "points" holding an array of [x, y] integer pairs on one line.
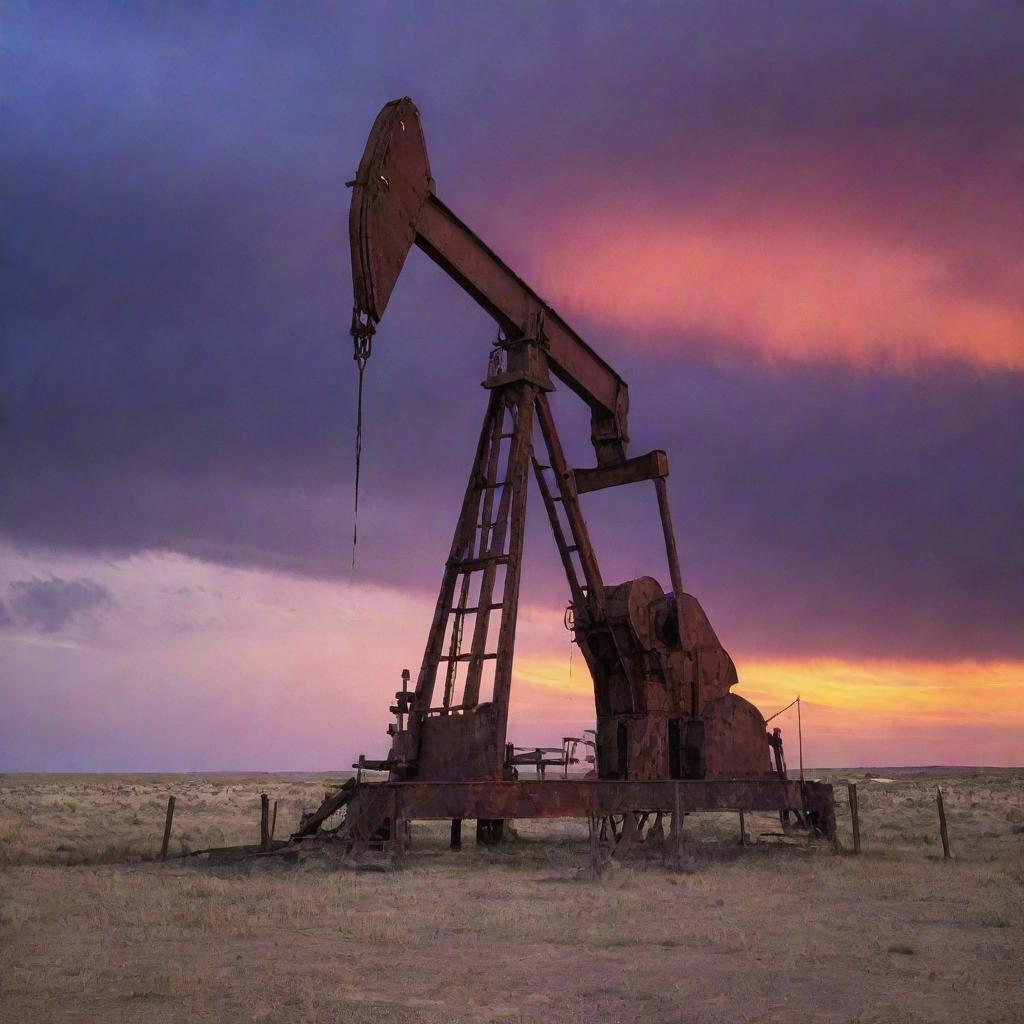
{"points": [[377, 804]]}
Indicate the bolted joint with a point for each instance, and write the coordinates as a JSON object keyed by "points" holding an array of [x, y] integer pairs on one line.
{"points": [[515, 360]]}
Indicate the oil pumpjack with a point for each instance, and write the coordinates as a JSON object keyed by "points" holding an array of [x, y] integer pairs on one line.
{"points": [[669, 729]]}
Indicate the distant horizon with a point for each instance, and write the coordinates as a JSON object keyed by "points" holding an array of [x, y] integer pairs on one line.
{"points": [[793, 773]]}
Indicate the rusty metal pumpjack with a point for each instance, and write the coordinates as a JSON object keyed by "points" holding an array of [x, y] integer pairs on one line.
{"points": [[666, 719]]}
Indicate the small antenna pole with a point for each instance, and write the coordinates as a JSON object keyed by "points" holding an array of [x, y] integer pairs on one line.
{"points": [[800, 737]]}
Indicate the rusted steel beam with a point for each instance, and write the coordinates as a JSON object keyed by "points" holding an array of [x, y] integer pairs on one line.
{"points": [[642, 467], [491, 544], [822, 814], [595, 848], [677, 823], [564, 551], [462, 543], [570, 503], [398, 826], [332, 803], [567, 798], [517, 405], [519, 475], [476, 269], [394, 207], [675, 574], [630, 833], [455, 644]]}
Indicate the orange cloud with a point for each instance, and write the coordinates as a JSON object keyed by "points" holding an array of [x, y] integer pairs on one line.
{"points": [[870, 712], [961, 691], [789, 290]]}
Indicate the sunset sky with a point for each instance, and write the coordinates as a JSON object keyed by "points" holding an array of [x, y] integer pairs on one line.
{"points": [[796, 229]]}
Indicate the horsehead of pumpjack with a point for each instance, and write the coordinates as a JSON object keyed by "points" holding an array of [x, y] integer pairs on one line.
{"points": [[662, 681]]}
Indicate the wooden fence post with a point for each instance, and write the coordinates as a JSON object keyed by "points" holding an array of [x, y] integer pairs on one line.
{"points": [[743, 829], [851, 788], [946, 855], [264, 822], [167, 828], [273, 822]]}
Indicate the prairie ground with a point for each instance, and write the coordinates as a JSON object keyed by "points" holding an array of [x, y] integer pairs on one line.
{"points": [[93, 930]]}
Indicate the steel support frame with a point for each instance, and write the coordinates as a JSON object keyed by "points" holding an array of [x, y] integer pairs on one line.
{"points": [[578, 798], [490, 532]]}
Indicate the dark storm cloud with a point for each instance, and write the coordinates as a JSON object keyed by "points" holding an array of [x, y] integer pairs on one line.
{"points": [[176, 373], [48, 605]]}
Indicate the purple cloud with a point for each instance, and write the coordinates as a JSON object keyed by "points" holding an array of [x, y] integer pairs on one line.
{"points": [[48, 605], [176, 372]]}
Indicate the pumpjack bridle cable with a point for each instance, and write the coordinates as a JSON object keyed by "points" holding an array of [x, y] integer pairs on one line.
{"points": [[362, 344]]}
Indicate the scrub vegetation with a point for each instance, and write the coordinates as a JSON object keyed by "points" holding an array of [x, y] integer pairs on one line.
{"points": [[93, 930]]}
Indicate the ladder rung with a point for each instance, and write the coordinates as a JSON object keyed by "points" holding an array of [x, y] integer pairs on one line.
{"points": [[473, 611], [495, 486], [475, 564], [541, 465], [571, 548], [467, 657]]}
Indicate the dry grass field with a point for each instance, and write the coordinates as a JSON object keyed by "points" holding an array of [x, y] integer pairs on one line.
{"points": [[92, 930]]}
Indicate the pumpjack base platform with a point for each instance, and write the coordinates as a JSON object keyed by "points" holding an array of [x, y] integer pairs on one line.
{"points": [[373, 806]]}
